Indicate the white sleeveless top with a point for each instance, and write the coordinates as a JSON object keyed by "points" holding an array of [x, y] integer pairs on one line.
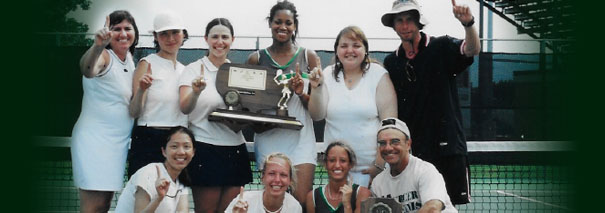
{"points": [[101, 135], [145, 178], [352, 114], [162, 105], [211, 132]]}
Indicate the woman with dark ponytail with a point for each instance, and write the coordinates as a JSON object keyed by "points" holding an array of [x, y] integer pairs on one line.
{"points": [[221, 165]]}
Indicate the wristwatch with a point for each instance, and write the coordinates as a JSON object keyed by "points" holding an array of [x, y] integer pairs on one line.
{"points": [[470, 23]]}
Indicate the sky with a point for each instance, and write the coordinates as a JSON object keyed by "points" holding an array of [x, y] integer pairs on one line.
{"points": [[318, 19]]}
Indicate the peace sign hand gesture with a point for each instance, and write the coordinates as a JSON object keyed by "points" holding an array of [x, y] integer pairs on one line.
{"points": [[103, 36], [161, 184]]}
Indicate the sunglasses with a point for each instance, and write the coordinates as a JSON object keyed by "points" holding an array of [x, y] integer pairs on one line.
{"points": [[388, 121], [409, 72], [175, 194]]}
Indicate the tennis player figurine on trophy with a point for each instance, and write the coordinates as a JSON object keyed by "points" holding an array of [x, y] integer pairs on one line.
{"points": [[282, 104]]}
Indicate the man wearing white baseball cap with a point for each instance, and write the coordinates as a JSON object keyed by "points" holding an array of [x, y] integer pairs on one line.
{"points": [[155, 99], [414, 183], [423, 70]]}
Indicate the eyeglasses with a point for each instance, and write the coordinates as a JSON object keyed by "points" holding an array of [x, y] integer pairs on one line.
{"points": [[394, 142], [175, 194], [409, 71], [388, 121]]}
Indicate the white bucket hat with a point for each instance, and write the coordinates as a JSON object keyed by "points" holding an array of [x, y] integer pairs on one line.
{"points": [[400, 6], [167, 21]]}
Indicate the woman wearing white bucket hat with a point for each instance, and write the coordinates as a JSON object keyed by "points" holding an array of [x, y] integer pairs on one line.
{"points": [[155, 99], [101, 134]]}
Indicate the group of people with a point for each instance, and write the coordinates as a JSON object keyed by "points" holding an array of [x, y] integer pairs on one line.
{"points": [[367, 108]]}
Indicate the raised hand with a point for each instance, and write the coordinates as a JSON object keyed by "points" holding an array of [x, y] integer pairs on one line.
{"points": [[241, 206], [462, 13], [296, 83], [199, 84], [316, 77], [346, 190], [146, 80], [161, 184], [103, 36]]}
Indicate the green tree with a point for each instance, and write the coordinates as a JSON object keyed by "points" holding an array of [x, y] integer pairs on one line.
{"points": [[57, 29]]}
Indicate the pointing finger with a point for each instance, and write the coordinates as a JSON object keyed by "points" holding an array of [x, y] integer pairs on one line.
{"points": [[106, 22], [453, 2], [149, 69], [157, 168], [241, 192], [297, 69]]}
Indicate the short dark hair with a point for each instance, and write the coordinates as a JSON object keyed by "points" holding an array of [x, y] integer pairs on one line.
{"points": [[117, 17], [285, 5]]}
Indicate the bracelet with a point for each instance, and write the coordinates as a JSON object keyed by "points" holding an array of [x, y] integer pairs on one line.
{"points": [[470, 23], [378, 167]]}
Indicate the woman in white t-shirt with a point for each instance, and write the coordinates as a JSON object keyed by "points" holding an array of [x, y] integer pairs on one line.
{"points": [[277, 176], [352, 96], [155, 99], [162, 187], [221, 165], [99, 140]]}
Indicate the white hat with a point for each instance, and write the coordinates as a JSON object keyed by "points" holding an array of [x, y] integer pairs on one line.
{"points": [[167, 21], [400, 6], [394, 123]]}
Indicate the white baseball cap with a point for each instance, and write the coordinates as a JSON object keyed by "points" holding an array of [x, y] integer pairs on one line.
{"points": [[400, 6], [167, 20], [394, 123]]}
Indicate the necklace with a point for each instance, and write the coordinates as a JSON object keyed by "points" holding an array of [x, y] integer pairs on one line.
{"points": [[276, 211], [330, 194]]}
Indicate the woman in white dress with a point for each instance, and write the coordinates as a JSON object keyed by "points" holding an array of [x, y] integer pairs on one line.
{"points": [[100, 136], [353, 96]]}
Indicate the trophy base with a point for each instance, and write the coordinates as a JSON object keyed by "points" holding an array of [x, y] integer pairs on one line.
{"points": [[282, 112], [255, 118]]}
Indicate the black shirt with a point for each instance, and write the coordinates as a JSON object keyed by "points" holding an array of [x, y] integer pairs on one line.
{"points": [[427, 95]]}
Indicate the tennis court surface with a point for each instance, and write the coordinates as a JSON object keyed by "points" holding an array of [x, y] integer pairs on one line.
{"points": [[520, 176]]}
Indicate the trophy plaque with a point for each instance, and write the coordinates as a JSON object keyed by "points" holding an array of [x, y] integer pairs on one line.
{"points": [[254, 95], [381, 205]]}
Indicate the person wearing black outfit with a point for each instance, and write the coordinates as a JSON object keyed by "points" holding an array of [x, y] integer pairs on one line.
{"points": [[423, 70]]}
